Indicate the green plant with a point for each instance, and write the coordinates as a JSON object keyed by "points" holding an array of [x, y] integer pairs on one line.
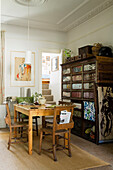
{"points": [[36, 96], [67, 53]]}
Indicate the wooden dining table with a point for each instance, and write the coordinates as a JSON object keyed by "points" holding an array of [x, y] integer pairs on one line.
{"points": [[32, 111]]}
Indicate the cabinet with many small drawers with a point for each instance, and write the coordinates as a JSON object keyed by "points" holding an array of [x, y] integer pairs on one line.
{"points": [[80, 82]]}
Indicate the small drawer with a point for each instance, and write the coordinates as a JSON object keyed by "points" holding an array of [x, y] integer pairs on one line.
{"points": [[89, 67], [77, 94], [78, 105], [105, 77], [77, 86], [90, 76], [66, 71], [77, 113], [104, 66], [66, 78], [77, 78], [66, 94], [66, 86], [88, 85], [88, 95], [77, 69]]}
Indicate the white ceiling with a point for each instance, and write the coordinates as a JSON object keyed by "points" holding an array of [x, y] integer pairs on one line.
{"points": [[60, 15]]}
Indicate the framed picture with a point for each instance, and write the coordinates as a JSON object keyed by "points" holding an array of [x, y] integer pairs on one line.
{"points": [[55, 63], [105, 100], [21, 75], [43, 61], [47, 58]]}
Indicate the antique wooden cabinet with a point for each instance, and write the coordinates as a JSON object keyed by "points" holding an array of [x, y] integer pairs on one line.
{"points": [[80, 83]]}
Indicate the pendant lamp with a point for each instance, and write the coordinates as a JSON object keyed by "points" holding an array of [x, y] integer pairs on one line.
{"points": [[28, 52]]}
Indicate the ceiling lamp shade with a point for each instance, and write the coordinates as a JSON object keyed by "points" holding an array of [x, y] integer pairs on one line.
{"points": [[28, 58], [31, 2]]}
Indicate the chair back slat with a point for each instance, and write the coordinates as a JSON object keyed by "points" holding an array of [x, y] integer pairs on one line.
{"points": [[57, 112], [64, 103], [65, 126]]}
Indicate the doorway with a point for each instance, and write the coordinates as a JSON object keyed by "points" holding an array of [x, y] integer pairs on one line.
{"points": [[46, 68], [51, 73]]}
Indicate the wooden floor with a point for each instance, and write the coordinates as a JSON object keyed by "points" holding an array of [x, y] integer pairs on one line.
{"points": [[102, 151]]}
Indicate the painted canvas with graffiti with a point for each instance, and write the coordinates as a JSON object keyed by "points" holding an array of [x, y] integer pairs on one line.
{"points": [[105, 99], [22, 71], [89, 110]]}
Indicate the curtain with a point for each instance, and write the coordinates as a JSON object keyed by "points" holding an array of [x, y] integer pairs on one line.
{"points": [[2, 68]]}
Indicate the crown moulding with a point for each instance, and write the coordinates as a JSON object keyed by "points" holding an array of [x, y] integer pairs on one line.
{"points": [[89, 15]]}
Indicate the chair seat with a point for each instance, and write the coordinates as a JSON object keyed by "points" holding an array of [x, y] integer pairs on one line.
{"points": [[19, 124], [57, 132], [49, 121], [25, 119]]}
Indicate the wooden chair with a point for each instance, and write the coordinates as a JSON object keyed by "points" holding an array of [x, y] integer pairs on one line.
{"points": [[17, 125], [64, 103], [58, 130], [49, 121], [24, 117], [35, 121]]}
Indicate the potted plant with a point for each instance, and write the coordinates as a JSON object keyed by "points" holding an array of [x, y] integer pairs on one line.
{"points": [[36, 97], [39, 99]]}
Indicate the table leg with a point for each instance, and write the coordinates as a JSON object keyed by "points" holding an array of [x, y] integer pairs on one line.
{"points": [[15, 120], [30, 134], [43, 122]]}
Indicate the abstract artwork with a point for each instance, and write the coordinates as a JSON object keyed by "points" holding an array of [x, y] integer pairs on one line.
{"points": [[105, 99], [22, 71], [89, 110], [22, 75]]}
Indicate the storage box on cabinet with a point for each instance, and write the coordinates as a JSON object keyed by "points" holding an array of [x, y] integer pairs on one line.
{"points": [[85, 51]]}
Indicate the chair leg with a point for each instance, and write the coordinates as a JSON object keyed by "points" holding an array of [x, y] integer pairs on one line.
{"points": [[64, 141], [21, 130], [9, 142], [19, 120], [36, 126], [57, 140], [54, 149], [40, 147], [69, 147]]}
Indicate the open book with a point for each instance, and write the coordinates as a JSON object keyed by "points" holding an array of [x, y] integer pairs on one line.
{"points": [[65, 117]]}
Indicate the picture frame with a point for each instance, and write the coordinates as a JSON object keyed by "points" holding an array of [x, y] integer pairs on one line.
{"points": [[17, 59], [55, 63], [47, 58], [105, 102]]}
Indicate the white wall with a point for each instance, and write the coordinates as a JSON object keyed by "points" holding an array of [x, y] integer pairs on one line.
{"points": [[55, 76], [55, 81], [99, 29], [40, 40]]}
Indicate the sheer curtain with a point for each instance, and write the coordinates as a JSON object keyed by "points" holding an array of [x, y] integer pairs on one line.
{"points": [[2, 68]]}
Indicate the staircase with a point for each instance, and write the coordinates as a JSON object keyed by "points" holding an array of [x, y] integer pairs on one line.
{"points": [[46, 92]]}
